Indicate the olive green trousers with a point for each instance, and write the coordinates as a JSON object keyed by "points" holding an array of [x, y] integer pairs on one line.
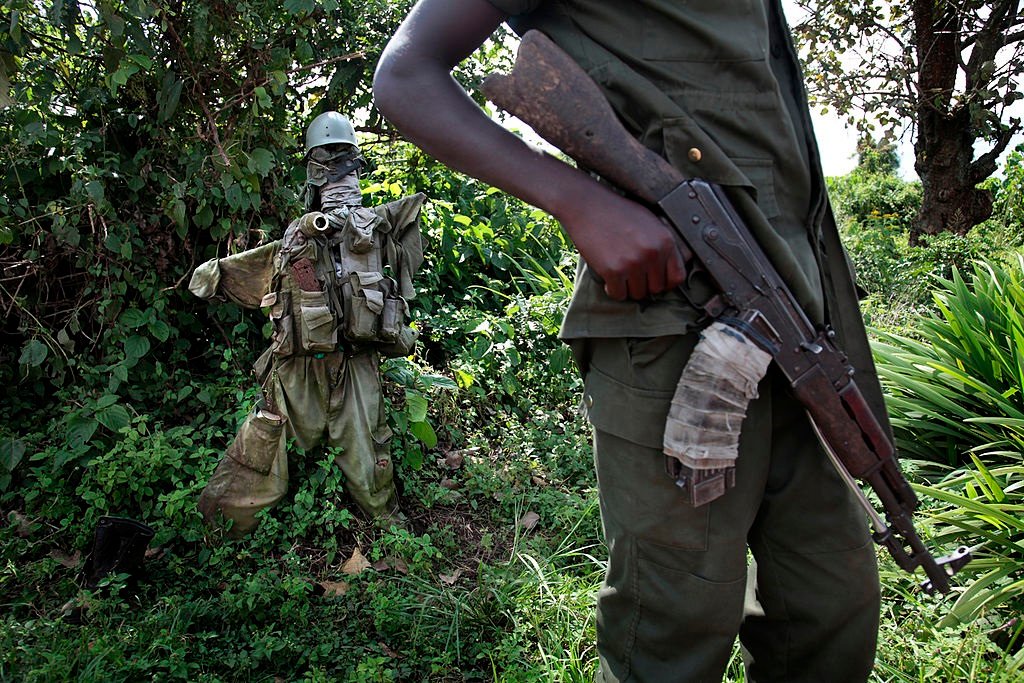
{"points": [[672, 603], [336, 400]]}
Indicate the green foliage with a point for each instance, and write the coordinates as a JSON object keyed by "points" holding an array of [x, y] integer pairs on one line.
{"points": [[945, 71], [866, 195], [875, 210], [984, 510], [955, 401], [871, 62], [484, 246], [408, 415], [512, 357], [1009, 196], [142, 139], [959, 389], [914, 646], [877, 157]]}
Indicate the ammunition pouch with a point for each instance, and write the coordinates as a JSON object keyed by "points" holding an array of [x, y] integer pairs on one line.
{"points": [[317, 330], [373, 314]]}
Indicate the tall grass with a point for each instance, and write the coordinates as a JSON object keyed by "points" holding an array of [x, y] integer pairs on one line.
{"points": [[959, 389], [955, 396]]}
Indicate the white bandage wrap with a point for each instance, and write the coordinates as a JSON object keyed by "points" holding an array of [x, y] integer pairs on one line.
{"points": [[345, 192], [703, 426]]}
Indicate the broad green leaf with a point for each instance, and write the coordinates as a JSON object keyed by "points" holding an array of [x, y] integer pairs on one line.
{"points": [[261, 161], [115, 418], [298, 6], [94, 189], [170, 95], [80, 431], [440, 381], [11, 452], [136, 346], [204, 217], [560, 359], [464, 379], [62, 458], [424, 432], [262, 98], [415, 406], [105, 400], [160, 330], [414, 457], [33, 353], [236, 197], [134, 318]]}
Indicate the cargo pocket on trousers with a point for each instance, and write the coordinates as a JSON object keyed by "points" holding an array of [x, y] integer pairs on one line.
{"points": [[693, 608], [639, 497], [258, 443]]}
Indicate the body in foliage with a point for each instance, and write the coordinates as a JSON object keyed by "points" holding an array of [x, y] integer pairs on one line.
{"points": [[334, 310]]}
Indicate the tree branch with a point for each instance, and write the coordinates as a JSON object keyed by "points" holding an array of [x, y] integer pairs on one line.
{"points": [[244, 94], [991, 38], [985, 165]]}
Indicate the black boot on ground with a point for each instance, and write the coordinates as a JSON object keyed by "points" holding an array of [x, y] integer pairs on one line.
{"points": [[119, 547]]}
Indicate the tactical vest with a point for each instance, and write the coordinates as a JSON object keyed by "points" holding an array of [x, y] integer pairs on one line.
{"points": [[331, 288]]}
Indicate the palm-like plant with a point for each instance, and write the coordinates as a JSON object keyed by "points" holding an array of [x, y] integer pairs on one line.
{"points": [[955, 400], [984, 507], [959, 390], [955, 397]]}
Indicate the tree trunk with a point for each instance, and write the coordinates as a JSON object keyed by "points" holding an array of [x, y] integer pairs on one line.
{"points": [[944, 146], [950, 201]]}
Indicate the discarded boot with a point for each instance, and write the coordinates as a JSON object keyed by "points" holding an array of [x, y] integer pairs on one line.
{"points": [[119, 547]]}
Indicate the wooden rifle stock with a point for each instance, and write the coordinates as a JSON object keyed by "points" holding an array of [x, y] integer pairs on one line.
{"points": [[552, 94]]}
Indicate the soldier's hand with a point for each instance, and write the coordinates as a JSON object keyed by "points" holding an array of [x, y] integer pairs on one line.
{"points": [[626, 246]]}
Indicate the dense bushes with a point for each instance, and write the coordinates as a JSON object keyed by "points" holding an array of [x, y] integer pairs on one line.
{"points": [[948, 352], [958, 389], [142, 139], [875, 208]]}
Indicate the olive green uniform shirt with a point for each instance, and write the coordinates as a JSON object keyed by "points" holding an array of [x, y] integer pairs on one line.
{"points": [[715, 87], [711, 85]]}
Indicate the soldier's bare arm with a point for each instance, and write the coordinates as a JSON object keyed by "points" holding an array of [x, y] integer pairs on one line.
{"points": [[625, 244]]}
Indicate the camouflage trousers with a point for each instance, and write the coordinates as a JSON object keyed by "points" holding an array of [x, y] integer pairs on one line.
{"points": [[334, 400], [674, 598]]}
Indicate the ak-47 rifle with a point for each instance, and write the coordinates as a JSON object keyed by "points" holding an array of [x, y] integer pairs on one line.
{"points": [[753, 305]]}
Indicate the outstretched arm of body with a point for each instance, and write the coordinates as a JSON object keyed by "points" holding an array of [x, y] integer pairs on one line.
{"points": [[625, 244]]}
